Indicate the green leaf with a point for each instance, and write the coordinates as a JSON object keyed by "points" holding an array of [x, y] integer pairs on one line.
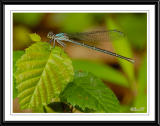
{"points": [[35, 37], [42, 73], [126, 66], [16, 56], [89, 92], [140, 101], [102, 71], [142, 75], [122, 47]]}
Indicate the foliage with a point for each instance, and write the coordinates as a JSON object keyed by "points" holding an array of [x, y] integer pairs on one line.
{"points": [[88, 92], [140, 101], [102, 71], [123, 46], [16, 56], [39, 84], [42, 73], [34, 37]]}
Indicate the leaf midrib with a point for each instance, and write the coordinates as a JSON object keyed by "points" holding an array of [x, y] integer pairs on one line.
{"points": [[41, 76]]}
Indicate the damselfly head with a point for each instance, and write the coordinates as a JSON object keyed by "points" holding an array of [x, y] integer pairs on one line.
{"points": [[51, 35]]}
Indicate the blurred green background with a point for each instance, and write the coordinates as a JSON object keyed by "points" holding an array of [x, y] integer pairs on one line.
{"points": [[128, 81]]}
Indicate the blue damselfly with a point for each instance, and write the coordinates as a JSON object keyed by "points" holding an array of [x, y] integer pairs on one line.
{"points": [[87, 39]]}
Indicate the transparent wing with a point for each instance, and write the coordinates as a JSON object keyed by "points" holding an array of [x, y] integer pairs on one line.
{"points": [[96, 36]]}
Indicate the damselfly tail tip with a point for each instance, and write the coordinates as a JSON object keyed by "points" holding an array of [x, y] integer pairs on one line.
{"points": [[132, 60]]}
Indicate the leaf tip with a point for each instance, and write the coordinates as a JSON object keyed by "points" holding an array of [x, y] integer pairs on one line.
{"points": [[35, 37]]}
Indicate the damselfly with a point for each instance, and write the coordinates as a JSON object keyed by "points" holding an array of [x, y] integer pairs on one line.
{"points": [[84, 38]]}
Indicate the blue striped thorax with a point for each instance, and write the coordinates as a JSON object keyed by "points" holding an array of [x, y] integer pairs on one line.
{"points": [[61, 36]]}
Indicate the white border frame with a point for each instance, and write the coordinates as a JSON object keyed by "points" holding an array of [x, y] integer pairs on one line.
{"points": [[149, 116]]}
